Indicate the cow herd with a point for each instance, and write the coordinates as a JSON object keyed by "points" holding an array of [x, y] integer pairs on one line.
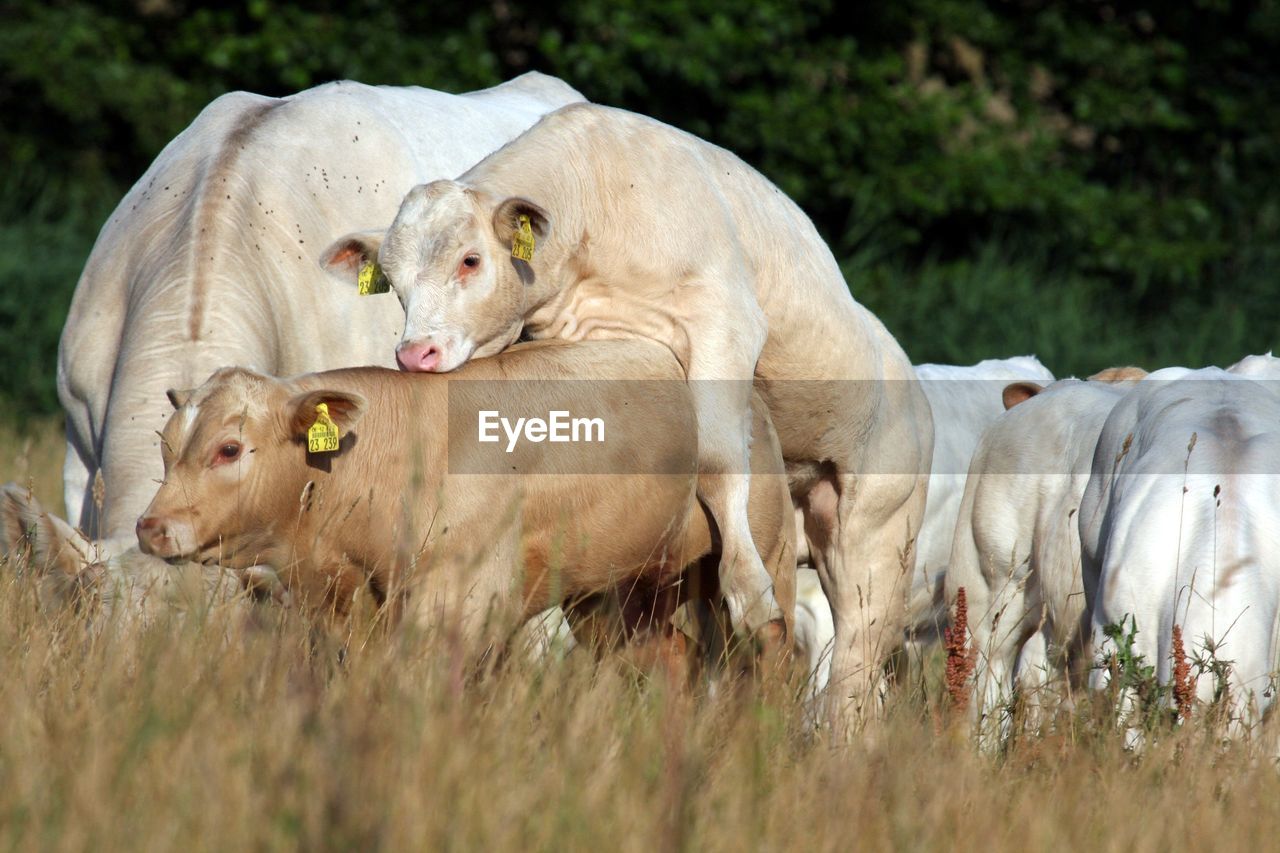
{"points": [[765, 456]]}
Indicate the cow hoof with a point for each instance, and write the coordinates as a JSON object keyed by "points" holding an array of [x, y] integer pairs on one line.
{"points": [[772, 643]]}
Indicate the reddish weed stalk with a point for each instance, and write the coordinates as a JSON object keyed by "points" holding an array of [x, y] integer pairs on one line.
{"points": [[1183, 689], [961, 659]]}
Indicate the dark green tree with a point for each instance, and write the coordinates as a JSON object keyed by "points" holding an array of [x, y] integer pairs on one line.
{"points": [[1092, 181]]}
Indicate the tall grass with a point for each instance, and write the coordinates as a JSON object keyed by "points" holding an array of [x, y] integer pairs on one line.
{"points": [[242, 726], [31, 454], [225, 731]]}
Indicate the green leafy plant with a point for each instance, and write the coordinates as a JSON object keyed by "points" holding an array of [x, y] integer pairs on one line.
{"points": [[1136, 693]]}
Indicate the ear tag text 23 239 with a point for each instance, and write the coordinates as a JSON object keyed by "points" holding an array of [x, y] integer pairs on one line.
{"points": [[522, 242], [372, 279], [322, 436]]}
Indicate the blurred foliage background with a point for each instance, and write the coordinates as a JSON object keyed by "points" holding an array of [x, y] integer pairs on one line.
{"points": [[1095, 182]]}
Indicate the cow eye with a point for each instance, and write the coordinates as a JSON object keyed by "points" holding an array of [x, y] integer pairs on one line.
{"points": [[471, 261], [229, 452]]}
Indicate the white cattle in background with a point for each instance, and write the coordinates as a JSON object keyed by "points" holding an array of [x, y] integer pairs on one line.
{"points": [[815, 631], [1016, 549], [964, 401], [1181, 527]]}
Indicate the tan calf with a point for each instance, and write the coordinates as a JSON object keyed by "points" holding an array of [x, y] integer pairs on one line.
{"points": [[414, 506]]}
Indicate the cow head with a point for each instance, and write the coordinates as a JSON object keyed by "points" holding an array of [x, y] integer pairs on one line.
{"points": [[64, 564], [235, 465], [448, 256]]}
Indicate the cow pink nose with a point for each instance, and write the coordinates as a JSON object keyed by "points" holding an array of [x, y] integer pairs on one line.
{"points": [[419, 358], [149, 530]]}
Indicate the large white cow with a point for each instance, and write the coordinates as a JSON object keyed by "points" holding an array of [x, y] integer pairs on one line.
{"points": [[600, 223], [210, 260], [1181, 527], [1016, 549]]}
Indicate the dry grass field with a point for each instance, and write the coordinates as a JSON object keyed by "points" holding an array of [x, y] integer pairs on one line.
{"points": [[214, 730], [32, 455]]}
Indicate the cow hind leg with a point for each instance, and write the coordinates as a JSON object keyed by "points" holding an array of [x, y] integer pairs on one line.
{"points": [[865, 569], [744, 580], [1034, 678], [997, 616], [77, 488]]}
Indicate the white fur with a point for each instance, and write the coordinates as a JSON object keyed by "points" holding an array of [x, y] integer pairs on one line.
{"points": [[1186, 533], [965, 400], [1016, 547]]}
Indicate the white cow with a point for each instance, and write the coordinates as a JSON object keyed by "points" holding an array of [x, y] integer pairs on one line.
{"points": [[600, 223], [1016, 549], [210, 260], [1181, 526], [964, 401]]}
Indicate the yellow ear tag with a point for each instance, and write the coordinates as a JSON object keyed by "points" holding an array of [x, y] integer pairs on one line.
{"points": [[323, 435], [372, 279], [522, 243]]}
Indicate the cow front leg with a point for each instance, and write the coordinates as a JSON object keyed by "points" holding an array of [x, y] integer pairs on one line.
{"points": [[469, 593], [720, 374]]}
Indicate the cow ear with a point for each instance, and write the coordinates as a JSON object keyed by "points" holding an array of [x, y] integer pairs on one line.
{"points": [[179, 397], [52, 546], [1020, 392], [506, 219], [346, 255], [345, 410]]}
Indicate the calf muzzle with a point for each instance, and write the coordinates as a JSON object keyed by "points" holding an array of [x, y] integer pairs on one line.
{"points": [[420, 357], [154, 537]]}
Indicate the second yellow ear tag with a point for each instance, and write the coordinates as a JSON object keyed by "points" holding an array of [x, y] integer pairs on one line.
{"points": [[372, 279], [522, 242], [322, 436]]}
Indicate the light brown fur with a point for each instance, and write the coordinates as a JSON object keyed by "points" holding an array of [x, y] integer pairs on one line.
{"points": [[392, 509]]}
